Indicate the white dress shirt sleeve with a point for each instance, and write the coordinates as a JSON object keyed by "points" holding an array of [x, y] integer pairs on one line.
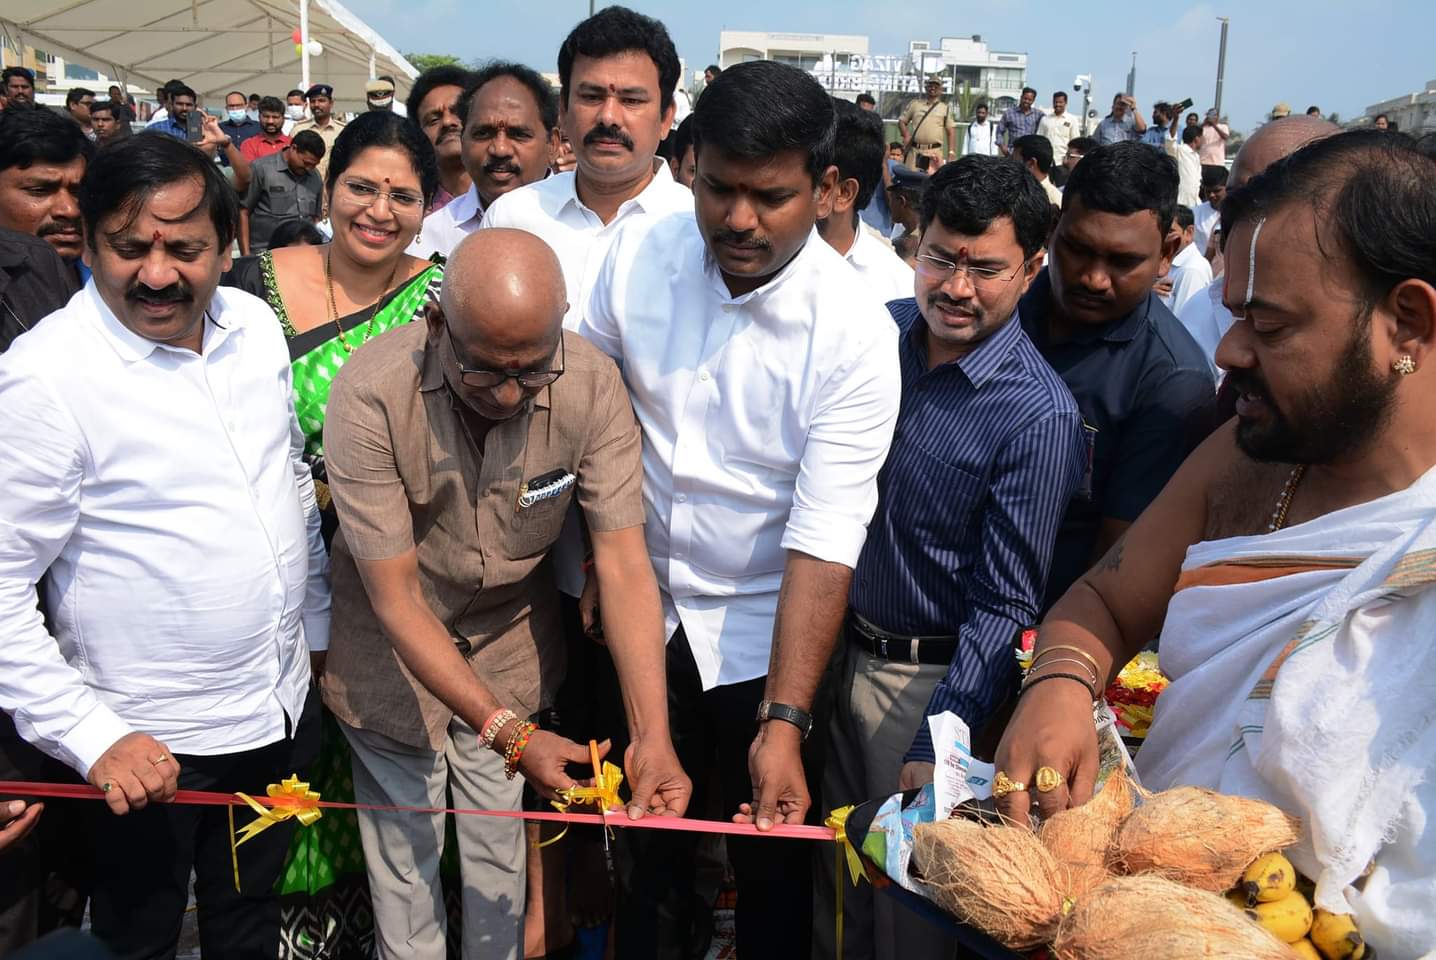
{"points": [[837, 491], [315, 613], [599, 326], [42, 457]]}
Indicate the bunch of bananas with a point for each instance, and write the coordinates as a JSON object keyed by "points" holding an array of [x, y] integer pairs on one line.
{"points": [[1272, 894]]}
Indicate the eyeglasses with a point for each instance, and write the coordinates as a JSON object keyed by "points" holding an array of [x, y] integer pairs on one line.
{"points": [[487, 379], [939, 269], [365, 195]]}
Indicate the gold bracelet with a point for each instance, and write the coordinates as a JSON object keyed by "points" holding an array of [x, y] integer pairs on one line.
{"points": [[1096, 669]]}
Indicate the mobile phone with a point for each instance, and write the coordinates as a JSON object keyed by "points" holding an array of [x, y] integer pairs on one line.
{"points": [[1184, 105], [194, 126]]}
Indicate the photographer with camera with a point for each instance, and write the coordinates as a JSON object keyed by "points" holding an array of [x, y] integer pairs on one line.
{"points": [[1215, 133], [1124, 123]]}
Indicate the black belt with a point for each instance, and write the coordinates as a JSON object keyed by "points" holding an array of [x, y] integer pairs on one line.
{"points": [[928, 146], [898, 648]]}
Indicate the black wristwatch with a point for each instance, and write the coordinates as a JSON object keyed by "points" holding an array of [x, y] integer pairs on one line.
{"points": [[772, 710]]}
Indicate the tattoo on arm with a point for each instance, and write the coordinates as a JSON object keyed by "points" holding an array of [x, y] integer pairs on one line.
{"points": [[1112, 562]]}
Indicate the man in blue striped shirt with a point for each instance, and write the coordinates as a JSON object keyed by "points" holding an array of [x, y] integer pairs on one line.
{"points": [[987, 453]]}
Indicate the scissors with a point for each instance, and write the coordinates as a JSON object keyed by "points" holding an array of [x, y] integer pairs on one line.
{"points": [[602, 811]]}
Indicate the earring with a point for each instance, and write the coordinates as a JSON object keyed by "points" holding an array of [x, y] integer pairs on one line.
{"points": [[1405, 365]]}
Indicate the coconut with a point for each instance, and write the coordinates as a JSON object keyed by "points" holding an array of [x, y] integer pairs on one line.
{"points": [[1200, 838], [1138, 918], [999, 879], [1079, 838]]}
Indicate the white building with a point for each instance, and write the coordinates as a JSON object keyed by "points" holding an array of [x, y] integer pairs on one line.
{"points": [[1414, 113], [805, 50], [843, 64], [996, 76]]}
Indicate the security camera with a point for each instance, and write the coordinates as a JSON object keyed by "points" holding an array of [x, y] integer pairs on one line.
{"points": [[1080, 81]]}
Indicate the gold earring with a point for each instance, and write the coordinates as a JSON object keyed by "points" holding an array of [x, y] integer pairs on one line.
{"points": [[1405, 365]]}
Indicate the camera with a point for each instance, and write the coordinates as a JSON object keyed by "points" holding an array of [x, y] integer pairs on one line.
{"points": [[1080, 81]]}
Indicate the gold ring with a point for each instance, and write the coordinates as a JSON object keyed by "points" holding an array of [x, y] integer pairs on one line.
{"points": [[1048, 779], [1002, 785], [159, 760]]}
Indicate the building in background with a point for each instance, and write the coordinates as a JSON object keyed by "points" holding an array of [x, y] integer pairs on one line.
{"points": [[991, 75], [1413, 113], [843, 64], [803, 50]]}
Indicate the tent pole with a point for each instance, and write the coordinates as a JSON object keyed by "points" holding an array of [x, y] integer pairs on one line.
{"points": [[304, 46]]}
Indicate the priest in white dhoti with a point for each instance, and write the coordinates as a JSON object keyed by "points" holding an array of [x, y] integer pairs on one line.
{"points": [[1290, 565]]}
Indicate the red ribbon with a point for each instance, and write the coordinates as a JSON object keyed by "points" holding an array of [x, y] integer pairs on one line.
{"points": [[75, 791]]}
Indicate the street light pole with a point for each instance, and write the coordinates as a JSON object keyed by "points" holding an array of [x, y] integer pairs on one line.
{"points": [[1221, 66]]}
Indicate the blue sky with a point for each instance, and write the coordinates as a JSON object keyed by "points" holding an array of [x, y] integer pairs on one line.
{"points": [[1337, 54]]}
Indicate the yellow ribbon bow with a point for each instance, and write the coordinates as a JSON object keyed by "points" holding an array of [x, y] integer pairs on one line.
{"points": [[607, 778], [838, 822], [298, 802]]}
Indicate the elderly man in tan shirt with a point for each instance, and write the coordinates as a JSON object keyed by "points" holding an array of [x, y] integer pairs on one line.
{"points": [[454, 449]]}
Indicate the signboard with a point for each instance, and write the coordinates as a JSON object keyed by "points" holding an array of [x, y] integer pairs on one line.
{"points": [[880, 73]]}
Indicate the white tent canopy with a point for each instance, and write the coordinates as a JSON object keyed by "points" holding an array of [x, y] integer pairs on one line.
{"points": [[213, 46]]}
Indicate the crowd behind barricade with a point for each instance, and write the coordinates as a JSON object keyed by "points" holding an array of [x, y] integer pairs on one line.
{"points": [[413, 452]]}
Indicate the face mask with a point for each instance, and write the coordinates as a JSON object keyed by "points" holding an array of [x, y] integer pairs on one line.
{"points": [[252, 114], [236, 116], [381, 103], [294, 111]]}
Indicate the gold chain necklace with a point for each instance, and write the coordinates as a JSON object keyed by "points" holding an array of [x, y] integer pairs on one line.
{"points": [[1283, 503], [334, 309]]}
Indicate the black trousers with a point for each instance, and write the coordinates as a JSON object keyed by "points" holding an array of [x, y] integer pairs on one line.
{"points": [[714, 728], [144, 858], [44, 878]]}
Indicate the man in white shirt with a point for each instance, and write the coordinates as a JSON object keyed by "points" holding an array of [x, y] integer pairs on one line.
{"points": [[1208, 213], [1059, 127], [615, 106], [617, 73], [859, 158], [1035, 153], [1189, 165], [509, 119], [764, 375], [1190, 273], [981, 134], [153, 474]]}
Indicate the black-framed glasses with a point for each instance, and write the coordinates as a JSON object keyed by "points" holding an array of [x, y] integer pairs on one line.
{"points": [[488, 379], [366, 195], [941, 269]]}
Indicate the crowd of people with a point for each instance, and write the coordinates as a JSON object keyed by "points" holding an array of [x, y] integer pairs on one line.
{"points": [[411, 454]]}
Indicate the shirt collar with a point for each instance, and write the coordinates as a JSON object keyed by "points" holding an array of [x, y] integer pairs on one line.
{"points": [[132, 348], [646, 200], [431, 377], [1121, 330], [978, 365]]}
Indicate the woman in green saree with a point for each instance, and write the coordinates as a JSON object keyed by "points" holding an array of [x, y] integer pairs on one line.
{"points": [[331, 299]]}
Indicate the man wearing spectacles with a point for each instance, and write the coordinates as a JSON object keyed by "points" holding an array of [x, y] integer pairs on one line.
{"points": [[283, 186], [454, 449], [987, 453]]}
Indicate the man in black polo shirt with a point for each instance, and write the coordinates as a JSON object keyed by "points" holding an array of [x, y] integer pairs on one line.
{"points": [[1143, 386]]}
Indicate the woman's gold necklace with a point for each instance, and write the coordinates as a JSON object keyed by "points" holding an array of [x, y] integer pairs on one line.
{"points": [[334, 309]]}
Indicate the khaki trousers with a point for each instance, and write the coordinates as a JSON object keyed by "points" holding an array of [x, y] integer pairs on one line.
{"points": [[402, 850], [878, 705]]}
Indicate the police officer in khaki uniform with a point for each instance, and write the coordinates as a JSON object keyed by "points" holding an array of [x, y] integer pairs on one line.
{"points": [[322, 121], [926, 128], [454, 448]]}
